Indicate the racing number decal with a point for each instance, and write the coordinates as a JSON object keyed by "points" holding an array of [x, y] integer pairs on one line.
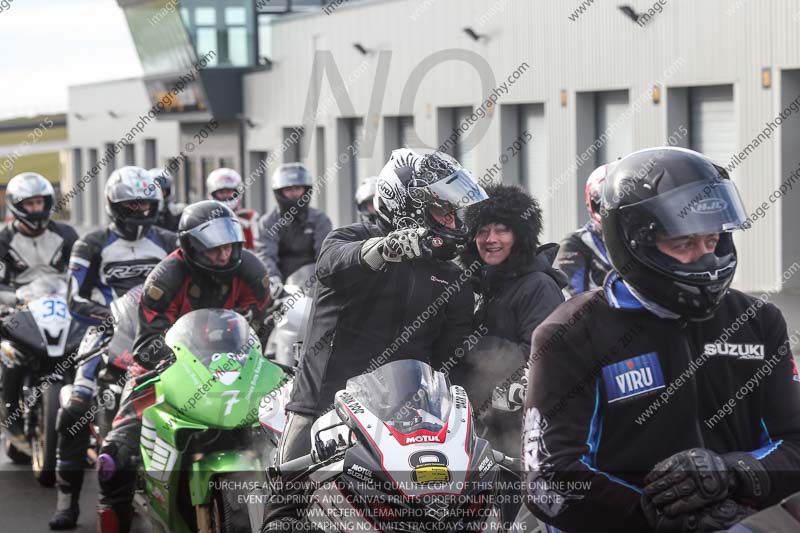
{"points": [[429, 467], [55, 307], [230, 403]]}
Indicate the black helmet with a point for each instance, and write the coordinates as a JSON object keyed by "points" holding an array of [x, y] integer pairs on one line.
{"points": [[668, 193], [410, 185], [291, 175], [205, 225], [129, 184], [29, 185]]}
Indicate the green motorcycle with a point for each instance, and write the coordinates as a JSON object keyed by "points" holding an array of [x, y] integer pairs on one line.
{"points": [[203, 451]]}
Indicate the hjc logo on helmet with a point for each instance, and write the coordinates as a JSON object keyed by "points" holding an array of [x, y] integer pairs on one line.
{"points": [[709, 206]]}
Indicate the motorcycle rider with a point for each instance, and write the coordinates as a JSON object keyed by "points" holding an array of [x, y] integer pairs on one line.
{"points": [[290, 236], [624, 424], [225, 185], [209, 270], [169, 213], [30, 245], [582, 256], [104, 265], [364, 195], [374, 282]]}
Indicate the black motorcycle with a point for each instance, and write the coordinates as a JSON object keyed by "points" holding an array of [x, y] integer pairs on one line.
{"points": [[41, 337]]}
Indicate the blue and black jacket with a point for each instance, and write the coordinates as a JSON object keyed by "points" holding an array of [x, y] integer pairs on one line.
{"points": [[615, 388], [104, 266]]}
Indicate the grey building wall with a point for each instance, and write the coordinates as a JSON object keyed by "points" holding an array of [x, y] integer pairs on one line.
{"points": [[101, 114], [689, 44]]}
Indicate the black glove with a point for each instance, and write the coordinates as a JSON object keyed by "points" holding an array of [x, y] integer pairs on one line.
{"points": [[718, 515], [692, 479]]}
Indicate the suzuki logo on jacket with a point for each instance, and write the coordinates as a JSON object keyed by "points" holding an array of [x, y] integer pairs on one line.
{"points": [[740, 351], [633, 377]]}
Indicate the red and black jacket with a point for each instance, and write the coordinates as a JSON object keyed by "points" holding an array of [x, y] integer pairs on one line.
{"points": [[173, 289]]}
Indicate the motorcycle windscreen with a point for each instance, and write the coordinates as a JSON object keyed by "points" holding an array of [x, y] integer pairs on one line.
{"points": [[220, 376], [47, 285], [407, 395]]}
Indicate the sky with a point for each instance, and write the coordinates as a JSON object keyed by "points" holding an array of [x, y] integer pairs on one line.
{"points": [[48, 45]]}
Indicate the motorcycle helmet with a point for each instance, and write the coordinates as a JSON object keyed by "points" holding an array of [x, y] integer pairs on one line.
{"points": [[411, 186], [290, 175], [668, 193], [225, 179], [205, 225], [365, 195], [23, 187], [129, 184], [593, 193]]}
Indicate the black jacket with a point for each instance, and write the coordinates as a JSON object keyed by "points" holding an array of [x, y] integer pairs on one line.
{"points": [[614, 389], [513, 302], [361, 319], [286, 242]]}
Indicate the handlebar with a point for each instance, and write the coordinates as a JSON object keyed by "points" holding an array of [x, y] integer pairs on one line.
{"points": [[509, 462], [296, 465]]}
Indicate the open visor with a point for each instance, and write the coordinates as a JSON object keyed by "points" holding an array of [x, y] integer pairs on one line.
{"points": [[693, 209], [458, 190], [216, 232]]}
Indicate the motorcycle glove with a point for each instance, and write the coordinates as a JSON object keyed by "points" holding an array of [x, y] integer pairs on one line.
{"points": [[692, 479], [399, 245], [717, 516]]}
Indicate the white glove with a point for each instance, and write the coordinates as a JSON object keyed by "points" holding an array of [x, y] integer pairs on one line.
{"points": [[399, 245]]}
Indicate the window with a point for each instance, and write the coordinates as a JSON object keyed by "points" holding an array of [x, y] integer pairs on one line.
{"points": [[150, 156], [293, 140], [130, 155], [259, 193], [398, 132]]}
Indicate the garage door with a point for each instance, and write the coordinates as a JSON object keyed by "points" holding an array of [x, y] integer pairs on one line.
{"points": [[406, 129], [611, 108], [466, 158], [533, 169], [712, 122]]}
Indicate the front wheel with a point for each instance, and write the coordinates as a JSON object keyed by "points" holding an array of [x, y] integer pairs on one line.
{"points": [[45, 437], [228, 512]]}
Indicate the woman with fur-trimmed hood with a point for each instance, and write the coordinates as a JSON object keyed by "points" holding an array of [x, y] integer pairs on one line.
{"points": [[517, 288]]}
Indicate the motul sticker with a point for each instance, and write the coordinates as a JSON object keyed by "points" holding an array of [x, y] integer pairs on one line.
{"points": [[633, 377], [416, 439]]}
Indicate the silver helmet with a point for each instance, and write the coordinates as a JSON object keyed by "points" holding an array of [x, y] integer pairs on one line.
{"points": [[23, 187], [129, 184]]}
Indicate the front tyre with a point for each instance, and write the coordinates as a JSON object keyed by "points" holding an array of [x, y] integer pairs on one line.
{"points": [[45, 437]]}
